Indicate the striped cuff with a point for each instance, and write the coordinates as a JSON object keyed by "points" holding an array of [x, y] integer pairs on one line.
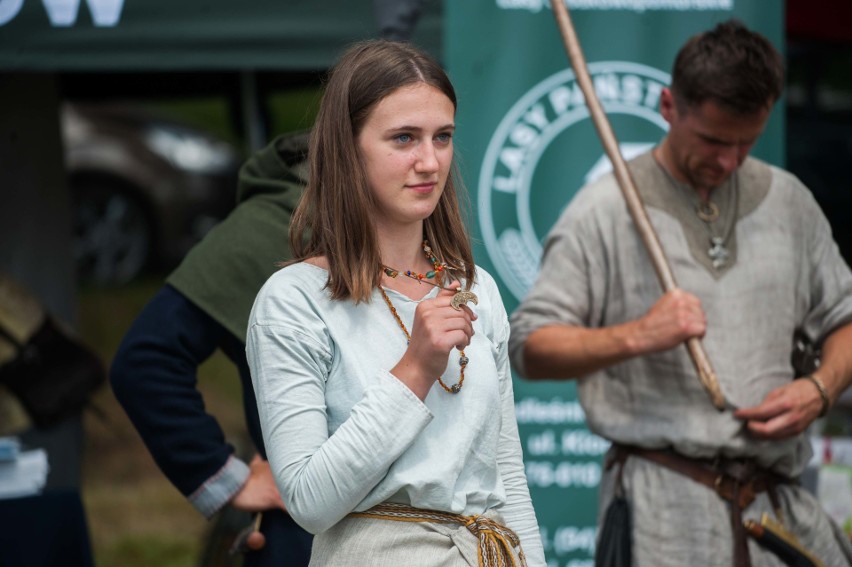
{"points": [[218, 490]]}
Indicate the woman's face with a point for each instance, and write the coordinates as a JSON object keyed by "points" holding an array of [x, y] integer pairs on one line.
{"points": [[407, 147]]}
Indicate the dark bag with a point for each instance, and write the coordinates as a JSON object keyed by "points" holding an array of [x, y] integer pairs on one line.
{"points": [[53, 376], [613, 548]]}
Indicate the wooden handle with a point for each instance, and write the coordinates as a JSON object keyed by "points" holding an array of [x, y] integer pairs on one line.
{"points": [[706, 375]]}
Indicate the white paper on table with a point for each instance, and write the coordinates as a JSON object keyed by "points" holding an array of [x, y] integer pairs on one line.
{"points": [[25, 476]]}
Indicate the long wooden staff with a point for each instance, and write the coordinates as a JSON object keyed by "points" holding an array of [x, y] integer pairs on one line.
{"points": [[631, 195]]}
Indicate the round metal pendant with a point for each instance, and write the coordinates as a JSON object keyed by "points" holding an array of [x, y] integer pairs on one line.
{"points": [[461, 298]]}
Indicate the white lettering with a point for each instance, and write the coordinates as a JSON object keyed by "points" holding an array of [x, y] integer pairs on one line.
{"points": [[523, 135], [607, 87], [543, 443], [105, 13], [652, 97], [578, 442], [9, 9], [562, 98], [531, 5], [537, 116], [634, 5], [564, 474], [570, 538], [505, 184], [63, 13], [533, 410], [631, 89], [513, 158], [515, 151]]}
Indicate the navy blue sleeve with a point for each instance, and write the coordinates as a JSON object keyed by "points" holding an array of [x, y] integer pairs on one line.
{"points": [[154, 377]]}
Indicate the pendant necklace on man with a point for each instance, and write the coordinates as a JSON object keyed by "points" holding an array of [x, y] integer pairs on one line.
{"points": [[719, 254], [459, 299], [708, 212]]}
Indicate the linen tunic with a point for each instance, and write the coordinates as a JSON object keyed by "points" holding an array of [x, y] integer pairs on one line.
{"points": [[343, 434], [785, 274]]}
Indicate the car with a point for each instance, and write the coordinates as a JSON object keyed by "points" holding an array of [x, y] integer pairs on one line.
{"points": [[144, 188]]}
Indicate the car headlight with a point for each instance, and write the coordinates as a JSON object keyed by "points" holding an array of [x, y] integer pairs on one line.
{"points": [[189, 151]]}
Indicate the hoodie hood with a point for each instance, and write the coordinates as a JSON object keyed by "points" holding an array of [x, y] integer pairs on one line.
{"points": [[222, 274]]}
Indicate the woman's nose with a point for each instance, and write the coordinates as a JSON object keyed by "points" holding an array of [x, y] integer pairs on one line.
{"points": [[426, 158]]}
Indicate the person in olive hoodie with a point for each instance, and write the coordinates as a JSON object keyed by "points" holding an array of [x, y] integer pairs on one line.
{"points": [[204, 306]]}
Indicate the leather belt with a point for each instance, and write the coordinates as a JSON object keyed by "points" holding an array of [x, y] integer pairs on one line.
{"points": [[738, 481]]}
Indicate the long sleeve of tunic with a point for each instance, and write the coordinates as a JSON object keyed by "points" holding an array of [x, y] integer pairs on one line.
{"points": [[343, 434]]}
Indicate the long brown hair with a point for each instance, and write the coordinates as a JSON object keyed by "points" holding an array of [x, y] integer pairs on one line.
{"points": [[334, 217]]}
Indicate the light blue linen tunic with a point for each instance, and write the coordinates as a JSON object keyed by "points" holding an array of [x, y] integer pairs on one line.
{"points": [[343, 434]]}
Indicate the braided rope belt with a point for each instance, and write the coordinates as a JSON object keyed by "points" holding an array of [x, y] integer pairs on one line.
{"points": [[496, 542]]}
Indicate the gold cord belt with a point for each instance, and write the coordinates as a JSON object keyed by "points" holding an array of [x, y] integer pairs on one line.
{"points": [[496, 542]]}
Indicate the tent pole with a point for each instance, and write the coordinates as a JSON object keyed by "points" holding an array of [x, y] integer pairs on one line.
{"points": [[255, 127]]}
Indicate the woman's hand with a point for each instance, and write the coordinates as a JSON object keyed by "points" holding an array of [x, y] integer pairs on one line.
{"points": [[437, 329]]}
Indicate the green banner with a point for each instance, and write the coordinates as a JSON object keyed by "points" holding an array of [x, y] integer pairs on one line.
{"points": [[527, 145], [151, 35]]}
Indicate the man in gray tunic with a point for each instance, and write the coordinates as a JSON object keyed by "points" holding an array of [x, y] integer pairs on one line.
{"points": [[755, 261]]}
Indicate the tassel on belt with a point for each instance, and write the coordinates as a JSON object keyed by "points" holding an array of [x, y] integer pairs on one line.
{"points": [[496, 542]]}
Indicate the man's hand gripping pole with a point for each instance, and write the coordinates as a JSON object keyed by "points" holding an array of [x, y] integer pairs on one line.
{"points": [[706, 375]]}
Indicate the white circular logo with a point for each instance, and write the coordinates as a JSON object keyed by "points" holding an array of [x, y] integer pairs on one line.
{"points": [[547, 141]]}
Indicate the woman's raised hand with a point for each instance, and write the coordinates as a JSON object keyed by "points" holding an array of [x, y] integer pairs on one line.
{"points": [[438, 328]]}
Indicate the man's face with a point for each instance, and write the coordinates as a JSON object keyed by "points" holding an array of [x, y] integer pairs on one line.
{"points": [[707, 143]]}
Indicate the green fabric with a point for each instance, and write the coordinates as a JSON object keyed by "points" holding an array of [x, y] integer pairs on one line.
{"points": [[223, 273]]}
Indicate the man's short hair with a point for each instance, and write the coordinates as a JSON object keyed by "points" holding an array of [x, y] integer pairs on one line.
{"points": [[731, 65]]}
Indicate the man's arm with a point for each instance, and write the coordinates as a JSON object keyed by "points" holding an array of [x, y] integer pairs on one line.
{"points": [[259, 492], [154, 376], [569, 351], [790, 409]]}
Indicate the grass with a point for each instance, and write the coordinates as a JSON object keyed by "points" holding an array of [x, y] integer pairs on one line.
{"points": [[136, 517]]}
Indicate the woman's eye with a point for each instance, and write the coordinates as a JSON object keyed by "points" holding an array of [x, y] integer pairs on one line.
{"points": [[444, 138], [403, 138]]}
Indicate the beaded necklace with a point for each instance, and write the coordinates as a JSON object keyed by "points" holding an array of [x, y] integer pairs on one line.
{"points": [[437, 268], [460, 298]]}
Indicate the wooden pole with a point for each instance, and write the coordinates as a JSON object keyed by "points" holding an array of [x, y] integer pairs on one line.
{"points": [[706, 375]]}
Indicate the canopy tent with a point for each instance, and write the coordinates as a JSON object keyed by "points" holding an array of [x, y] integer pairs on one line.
{"points": [[99, 45], [197, 35]]}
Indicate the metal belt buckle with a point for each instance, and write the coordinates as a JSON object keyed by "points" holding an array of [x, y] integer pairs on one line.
{"points": [[717, 485], [745, 495]]}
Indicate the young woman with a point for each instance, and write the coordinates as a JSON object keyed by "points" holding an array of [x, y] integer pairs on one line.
{"points": [[378, 357]]}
